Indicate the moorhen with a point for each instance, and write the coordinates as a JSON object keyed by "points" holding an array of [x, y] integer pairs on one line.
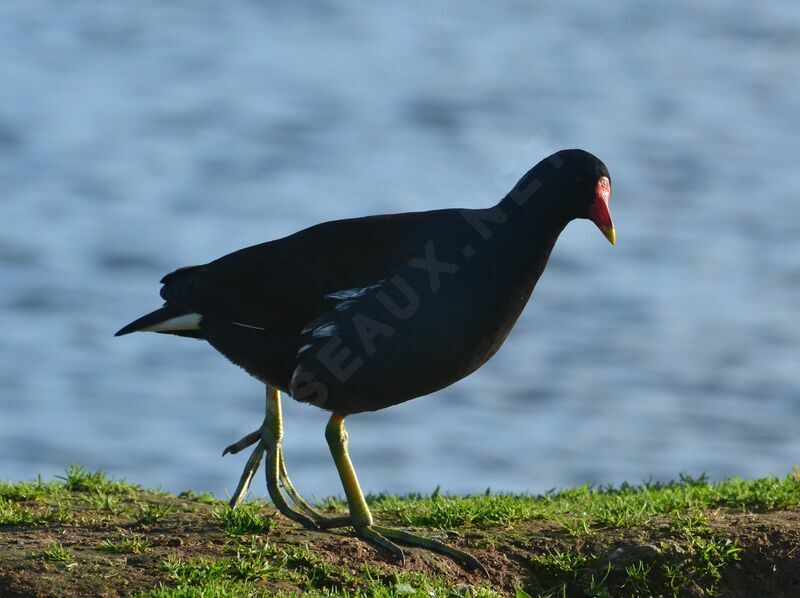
{"points": [[359, 314]]}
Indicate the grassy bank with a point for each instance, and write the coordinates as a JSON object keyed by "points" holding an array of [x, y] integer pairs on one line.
{"points": [[87, 534]]}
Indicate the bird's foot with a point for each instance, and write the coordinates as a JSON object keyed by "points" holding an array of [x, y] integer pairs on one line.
{"points": [[382, 536], [305, 514], [266, 445]]}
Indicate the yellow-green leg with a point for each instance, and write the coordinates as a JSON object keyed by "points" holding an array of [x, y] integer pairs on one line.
{"points": [[271, 438], [268, 439], [360, 516]]}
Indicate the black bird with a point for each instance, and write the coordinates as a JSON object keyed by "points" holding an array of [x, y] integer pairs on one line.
{"points": [[357, 315]]}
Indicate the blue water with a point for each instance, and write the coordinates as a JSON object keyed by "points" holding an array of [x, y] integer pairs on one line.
{"points": [[139, 137]]}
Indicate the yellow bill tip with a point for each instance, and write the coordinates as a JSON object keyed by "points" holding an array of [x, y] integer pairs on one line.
{"points": [[610, 234]]}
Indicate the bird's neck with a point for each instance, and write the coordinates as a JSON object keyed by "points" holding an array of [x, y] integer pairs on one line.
{"points": [[534, 222], [522, 235]]}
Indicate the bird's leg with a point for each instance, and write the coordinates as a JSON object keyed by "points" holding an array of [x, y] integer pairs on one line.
{"points": [[272, 428], [271, 438], [360, 516], [321, 520], [255, 458]]}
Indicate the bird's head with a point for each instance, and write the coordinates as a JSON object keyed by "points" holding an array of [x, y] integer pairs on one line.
{"points": [[588, 187]]}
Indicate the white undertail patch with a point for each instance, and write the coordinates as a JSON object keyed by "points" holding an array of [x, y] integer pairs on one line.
{"points": [[184, 322]]}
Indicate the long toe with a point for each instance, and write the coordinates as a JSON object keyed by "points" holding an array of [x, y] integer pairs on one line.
{"points": [[292, 492], [296, 516], [323, 521], [243, 443], [464, 558], [250, 469], [274, 491], [371, 534]]}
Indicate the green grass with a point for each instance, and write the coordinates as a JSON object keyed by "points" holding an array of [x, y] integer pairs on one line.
{"points": [[241, 574], [638, 575], [76, 479], [135, 544], [561, 561], [578, 510], [248, 518], [203, 497], [80, 479], [56, 553], [80, 496], [581, 509], [690, 555], [565, 542], [152, 512], [13, 514]]}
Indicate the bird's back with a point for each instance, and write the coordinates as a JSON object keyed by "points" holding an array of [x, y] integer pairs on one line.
{"points": [[356, 314]]}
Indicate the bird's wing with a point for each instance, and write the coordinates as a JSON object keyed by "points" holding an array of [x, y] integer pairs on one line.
{"points": [[391, 339], [282, 285]]}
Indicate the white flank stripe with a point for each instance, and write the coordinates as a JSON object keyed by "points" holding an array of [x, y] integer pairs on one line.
{"points": [[184, 322], [328, 329], [354, 293]]}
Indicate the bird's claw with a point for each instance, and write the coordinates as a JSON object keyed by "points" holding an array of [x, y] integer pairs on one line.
{"points": [[242, 444]]}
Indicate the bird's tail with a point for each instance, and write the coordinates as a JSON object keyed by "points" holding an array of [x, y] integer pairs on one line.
{"points": [[169, 319]]}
